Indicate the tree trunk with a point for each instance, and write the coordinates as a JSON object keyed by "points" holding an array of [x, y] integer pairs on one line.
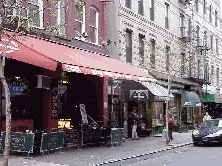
{"points": [[8, 115]]}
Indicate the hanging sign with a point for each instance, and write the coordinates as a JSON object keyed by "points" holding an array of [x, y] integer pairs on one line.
{"points": [[54, 109], [83, 113]]}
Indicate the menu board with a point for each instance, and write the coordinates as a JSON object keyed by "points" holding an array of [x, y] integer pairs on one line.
{"points": [[21, 142], [83, 113]]}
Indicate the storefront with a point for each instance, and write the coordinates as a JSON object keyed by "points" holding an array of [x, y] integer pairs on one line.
{"points": [[62, 82], [150, 99], [212, 104]]}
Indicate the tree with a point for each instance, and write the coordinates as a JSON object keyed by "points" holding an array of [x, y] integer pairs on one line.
{"points": [[23, 16]]}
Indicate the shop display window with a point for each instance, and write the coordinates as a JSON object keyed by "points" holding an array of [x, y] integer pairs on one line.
{"points": [[19, 98]]}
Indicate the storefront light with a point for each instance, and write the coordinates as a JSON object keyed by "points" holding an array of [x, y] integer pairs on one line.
{"points": [[17, 77], [64, 82]]}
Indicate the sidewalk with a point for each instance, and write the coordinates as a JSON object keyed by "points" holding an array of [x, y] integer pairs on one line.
{"points": [[89, 156]]}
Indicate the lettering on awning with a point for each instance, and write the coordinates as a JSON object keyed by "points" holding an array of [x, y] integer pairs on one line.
{"points": [[73, 68], [139, 94]]}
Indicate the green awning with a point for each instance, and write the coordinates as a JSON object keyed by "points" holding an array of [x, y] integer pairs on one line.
{"points": [[190, 99], [207, 98]]}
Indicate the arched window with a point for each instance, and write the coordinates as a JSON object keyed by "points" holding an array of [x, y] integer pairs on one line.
{"points": [[94, 15]]}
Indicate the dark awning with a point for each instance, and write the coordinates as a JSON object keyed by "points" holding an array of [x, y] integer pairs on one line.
{"points": [[190, 99], [145, 91]]}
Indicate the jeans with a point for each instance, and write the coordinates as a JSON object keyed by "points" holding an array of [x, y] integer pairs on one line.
{"points": [[134, 133], [170, 134]]}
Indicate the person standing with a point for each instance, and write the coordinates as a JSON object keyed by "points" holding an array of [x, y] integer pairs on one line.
{"points": [[134, 121], [171, 125], [207, 117]]}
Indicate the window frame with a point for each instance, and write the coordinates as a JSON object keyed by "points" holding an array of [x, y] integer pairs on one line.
{"points": [[141, 48], [128, 4], [152, 2], [129, 49], [62, 30], [38, 3], [96, 27], [153, 53], [166, 15], [82, 23], [140, 7]]}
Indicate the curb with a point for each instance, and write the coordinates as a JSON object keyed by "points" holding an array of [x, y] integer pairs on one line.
{"points": [[143, 154]]}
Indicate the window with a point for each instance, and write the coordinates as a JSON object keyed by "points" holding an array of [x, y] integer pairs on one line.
{"points": [[210, 14], [140, 7], [204, 6], [166, 15], [141, 48], [211, 43], [198, 35], [128, 46], [94, 25], [212, 73], [35, 13], [217, 46], [182, 63], [152, 55], [205, 73], [198, 69], [128, 4], [217, 72], [151, 10], [167, 57], [182, 28], [79, 20], [196, 4], [216, 17], [190, 63], [189, 27], [205, 38], [60, 19]]}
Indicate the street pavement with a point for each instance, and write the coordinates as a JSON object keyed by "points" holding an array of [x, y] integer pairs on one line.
{"points": [[89, 156]]}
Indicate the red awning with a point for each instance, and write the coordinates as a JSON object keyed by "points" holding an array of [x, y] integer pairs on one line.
{"points": [[74, 60], [18, 51]]}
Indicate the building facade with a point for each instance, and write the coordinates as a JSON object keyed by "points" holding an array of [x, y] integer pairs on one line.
{"points": [[166, 37], [65, 67]]}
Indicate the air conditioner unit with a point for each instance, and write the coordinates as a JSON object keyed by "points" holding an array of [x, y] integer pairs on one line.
{"points": [[43, 82]]}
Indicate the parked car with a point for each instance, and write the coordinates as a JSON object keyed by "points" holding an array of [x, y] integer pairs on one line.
{"points": [[210, 131]]}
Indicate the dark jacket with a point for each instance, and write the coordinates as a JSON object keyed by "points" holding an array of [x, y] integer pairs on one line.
{"points": [[133, 118]]}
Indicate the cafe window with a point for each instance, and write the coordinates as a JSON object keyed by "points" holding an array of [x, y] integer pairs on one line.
{"points": [[19, 94]]}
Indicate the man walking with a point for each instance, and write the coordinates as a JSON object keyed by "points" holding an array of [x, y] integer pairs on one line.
{"points": [[134, 121]]}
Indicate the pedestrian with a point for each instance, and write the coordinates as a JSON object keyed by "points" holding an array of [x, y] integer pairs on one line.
{"points": [[133, 122], [171, 125], [207, 117]]}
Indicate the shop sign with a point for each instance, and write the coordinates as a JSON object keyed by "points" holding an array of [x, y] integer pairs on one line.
{"points": [[54, 104], [139, 94]]}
